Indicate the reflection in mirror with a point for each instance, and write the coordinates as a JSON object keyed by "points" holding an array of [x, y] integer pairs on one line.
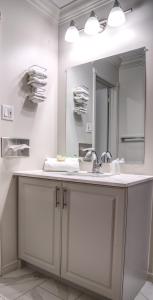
{"points": [[106, 106]]}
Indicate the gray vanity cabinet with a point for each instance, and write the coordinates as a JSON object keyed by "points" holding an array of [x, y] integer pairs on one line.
{"points": [[91, 235], [39, 223], [93, 222]]}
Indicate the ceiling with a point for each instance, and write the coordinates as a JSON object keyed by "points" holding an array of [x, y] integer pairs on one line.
{"points": [[62, 3]]}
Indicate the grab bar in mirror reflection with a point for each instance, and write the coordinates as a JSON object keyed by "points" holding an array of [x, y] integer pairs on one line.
{"points": [[133, 139]]}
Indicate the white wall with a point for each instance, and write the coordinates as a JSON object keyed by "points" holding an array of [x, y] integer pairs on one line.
{"points": [[107, 71], [136, 33], [27, 37]]}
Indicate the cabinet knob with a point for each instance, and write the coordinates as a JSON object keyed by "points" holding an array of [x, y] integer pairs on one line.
{"points": [[57, 201]]}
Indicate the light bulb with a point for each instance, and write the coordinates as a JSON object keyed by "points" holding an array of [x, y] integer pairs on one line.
{"points": [[92, 25], [72, 33], [117, 16]]}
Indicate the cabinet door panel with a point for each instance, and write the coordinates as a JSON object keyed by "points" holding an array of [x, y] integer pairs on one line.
{"points": [[92, 223], [39, 224]]}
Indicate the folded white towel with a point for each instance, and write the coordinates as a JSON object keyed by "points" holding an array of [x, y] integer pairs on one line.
{"points": [[38, 95], [37, 74], [39, 90], [81, 97], [35, 78], [69, 165], [36, 85], [81, 89], [37, 82], [80, 110], [35, 99]]}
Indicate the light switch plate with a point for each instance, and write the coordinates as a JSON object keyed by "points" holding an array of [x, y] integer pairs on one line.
{"points": [[89, 127], [7, 112]]}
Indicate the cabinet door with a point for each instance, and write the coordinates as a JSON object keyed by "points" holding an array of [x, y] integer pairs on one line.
{"points": [[93, 225], [39, 223]]}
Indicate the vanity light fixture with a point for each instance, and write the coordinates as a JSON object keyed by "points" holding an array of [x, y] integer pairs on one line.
{"points": [[72, 33], [117, 16], [93, 26]]}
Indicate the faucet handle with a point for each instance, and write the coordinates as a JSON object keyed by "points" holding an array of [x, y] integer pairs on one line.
{"points": [[109, 156], [106, 157]]}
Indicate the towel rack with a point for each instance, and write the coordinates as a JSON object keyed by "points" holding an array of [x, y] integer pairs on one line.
{"points": [[80, 98], [37, 82]]}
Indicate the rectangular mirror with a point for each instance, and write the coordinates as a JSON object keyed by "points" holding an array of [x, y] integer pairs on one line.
{"points": [[106, 106]]}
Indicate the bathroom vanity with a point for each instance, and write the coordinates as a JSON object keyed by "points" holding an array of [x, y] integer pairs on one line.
{"points": [[92, 231]]}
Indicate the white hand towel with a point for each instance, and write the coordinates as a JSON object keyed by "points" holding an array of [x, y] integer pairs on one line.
{"points": [[69, 165]]}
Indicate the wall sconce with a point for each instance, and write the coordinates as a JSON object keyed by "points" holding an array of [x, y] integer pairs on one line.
{"points": [[93, 26], [117, 16], [72, 33]]}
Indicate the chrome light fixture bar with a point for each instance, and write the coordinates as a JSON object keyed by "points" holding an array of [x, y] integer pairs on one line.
{"points": [[93, 26]]}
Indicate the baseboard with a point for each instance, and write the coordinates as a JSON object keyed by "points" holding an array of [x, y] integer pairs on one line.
{"points": [[11, 267], [150, 277]]}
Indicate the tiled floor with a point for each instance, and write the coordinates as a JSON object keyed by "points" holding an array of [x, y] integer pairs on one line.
{"points": [[25, 284]]}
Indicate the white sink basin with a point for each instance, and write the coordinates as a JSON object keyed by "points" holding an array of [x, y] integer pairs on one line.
{"points": [[85, 173]]}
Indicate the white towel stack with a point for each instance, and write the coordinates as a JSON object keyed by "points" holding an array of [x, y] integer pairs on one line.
{"points": [[70, 164], [81, 98], [37, 80]]}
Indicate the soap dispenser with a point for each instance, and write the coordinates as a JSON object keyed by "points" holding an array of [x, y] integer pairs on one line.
{"points": [[115, 166]]}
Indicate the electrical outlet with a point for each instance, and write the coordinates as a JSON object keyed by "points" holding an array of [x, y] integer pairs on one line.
{"points": [[7, 112]]}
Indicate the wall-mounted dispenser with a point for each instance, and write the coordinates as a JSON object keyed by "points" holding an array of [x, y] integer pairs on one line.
{"points": [[15, 147]]}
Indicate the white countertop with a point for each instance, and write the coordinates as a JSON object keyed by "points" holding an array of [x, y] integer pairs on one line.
{"points": [[122, 180]]}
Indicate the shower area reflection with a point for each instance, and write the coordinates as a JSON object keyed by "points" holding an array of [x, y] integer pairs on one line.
{"points": [[102, 115]]}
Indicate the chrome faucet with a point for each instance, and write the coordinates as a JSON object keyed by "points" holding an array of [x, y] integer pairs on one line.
{"points": [[91, 155]]}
